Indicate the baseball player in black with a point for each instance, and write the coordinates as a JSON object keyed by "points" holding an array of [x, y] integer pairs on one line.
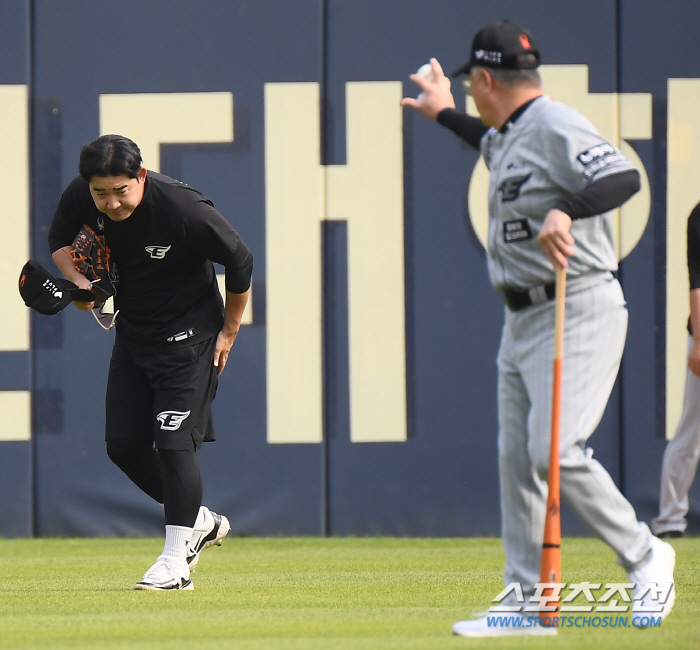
{"points": [[683, 451], [173, 331], [553, 181]]}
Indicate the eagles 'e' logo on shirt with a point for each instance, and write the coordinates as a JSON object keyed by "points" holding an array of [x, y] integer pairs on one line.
{"points": [[510, 187], [157, 252], [171, 420]]}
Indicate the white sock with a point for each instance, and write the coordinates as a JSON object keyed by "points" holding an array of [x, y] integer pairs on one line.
{"points": [[176, 540]]}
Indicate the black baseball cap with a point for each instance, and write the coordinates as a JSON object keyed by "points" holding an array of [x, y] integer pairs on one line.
{"points": [[47, 294], [503, 45]]}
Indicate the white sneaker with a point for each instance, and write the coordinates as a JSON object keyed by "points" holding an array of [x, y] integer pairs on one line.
{"points": [[655, 570], [165, 576], [211, 532], [502, 625]]}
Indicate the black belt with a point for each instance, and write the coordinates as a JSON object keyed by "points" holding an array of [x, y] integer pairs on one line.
{"points": [[517, 300]]}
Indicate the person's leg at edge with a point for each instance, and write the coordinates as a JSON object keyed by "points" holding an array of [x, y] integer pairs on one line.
{"points": [[680, 462]]}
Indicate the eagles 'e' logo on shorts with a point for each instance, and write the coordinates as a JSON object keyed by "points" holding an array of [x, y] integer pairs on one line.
{"points": [[510, 187], [171, 420], [157, 252]]}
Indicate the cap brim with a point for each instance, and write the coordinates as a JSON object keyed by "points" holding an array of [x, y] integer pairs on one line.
{"points": [[463, 70], [39, 297], [82, 295]]}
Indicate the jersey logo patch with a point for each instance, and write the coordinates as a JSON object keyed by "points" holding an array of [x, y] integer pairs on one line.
{"points": [[516, 230], [157, 252], [593, 168], [595, 153], [510, 187], [171, 420]]}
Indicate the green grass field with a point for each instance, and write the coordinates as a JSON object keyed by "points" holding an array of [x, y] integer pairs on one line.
{"points": [[300, 593]]}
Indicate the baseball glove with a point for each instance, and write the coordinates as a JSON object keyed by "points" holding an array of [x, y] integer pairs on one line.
{"points": [[92, 258]]}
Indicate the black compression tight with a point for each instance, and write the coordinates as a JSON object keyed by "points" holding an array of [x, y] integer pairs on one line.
{"points": [[182, 486], [140, 462], [171, 477]]}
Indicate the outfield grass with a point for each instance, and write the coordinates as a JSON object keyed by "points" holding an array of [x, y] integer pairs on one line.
{"points": [[300, 593]]}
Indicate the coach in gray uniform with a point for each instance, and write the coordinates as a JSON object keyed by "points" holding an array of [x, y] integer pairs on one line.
{"points": [[683, 451], [553, 181]]}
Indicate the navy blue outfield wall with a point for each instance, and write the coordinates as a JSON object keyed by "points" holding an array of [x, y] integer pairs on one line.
{"points": [[369, 409]]}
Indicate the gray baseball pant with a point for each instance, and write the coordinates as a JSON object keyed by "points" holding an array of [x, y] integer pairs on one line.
{"points": [[680, 460], [594, 337]]}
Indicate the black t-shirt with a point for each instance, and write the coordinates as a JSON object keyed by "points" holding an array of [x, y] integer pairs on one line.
{"points": [[163, 253], [694, 247], [694, 252]]}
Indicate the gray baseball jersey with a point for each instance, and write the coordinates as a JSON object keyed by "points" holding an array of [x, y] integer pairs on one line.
{"points": [[549, 153]]}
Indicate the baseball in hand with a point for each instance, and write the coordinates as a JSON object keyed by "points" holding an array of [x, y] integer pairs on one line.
{"points": [[426, 70]]}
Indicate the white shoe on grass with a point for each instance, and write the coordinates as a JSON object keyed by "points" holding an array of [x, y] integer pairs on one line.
{"points": [[213, 529], [164, 575], [502, 625], [651, 579]]}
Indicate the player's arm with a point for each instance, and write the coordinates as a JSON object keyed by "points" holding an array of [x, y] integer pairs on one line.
{"points": [[233, 315], [437, 103], [694, 356], [64, 227], [239, 271], [469, 128], [435, 92], [64, 262], [215, 239], [599, 197]]}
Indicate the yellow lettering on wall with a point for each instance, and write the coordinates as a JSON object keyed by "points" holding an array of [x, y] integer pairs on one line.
{"points": [[150, 119], [15, 406], [14, 216], [294, 209], [367, 192], [15, 423]]}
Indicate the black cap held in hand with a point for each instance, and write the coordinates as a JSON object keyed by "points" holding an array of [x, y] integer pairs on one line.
{"points": [[47, 294], [502, 45]]}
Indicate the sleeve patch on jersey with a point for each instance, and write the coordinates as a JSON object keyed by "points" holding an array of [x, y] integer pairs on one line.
{"points": [[595, 153], [598, 165], [516, 230]]}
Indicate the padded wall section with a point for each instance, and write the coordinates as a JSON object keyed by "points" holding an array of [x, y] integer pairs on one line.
{"points": [[16, 450], [361, 396], [656, 275], [173, 47]]}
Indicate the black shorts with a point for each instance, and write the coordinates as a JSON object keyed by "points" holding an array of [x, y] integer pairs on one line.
{"points": [[162, 397]]}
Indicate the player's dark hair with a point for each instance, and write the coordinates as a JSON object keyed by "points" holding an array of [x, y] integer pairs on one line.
{"points": [[109, 155]]}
